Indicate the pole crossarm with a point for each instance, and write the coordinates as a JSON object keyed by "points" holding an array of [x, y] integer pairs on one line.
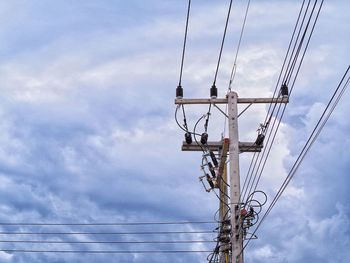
{"points": [[284, 99], [215, 146]]}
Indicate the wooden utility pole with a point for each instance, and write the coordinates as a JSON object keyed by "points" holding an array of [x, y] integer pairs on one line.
{"points": [[225, 228]]}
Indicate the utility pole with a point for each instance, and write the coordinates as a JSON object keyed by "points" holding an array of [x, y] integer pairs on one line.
{"points": [[235, 148], [225, 227], [237, 235]]}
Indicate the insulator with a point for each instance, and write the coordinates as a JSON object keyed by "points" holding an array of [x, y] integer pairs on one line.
{"points": [[211, 169], [204, 138], [210, 181], [213, 158], [260, 139], [179, 92], [188, 138], [284, 90], [213, 92]]}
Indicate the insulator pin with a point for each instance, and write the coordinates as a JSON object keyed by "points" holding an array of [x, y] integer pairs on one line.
{"points": [[188, 138], [284, 90], [213, 92], [204, 138], [179, 92], [260, 139]]}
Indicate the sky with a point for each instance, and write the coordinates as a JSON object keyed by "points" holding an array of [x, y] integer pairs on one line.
{"points": [[87, 129]]}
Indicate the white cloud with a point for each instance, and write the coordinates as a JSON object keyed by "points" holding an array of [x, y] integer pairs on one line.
{"points": [[87, 125], [5, 257]]}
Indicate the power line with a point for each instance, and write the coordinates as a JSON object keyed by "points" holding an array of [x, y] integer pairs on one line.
{"points": [[107, 224], [179, 89], [312, 138], [103, 251], [292, 86], [184, 43], [255, 158], [234, 67], [286, 58], [107, 233], [274, 130], [259, 163], [107, 242], [222, 42], [293, 59]]}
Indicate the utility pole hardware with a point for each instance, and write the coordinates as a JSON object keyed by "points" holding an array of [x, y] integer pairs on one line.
{"points": [[231, 234]]}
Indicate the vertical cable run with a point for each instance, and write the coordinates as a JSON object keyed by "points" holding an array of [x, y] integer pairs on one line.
{"points": [[234, 68], [184, 43], [213, 89]]}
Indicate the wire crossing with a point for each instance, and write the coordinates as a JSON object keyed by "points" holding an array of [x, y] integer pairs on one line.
{"points": [[259, 160], [332, 103], [242, 208]]}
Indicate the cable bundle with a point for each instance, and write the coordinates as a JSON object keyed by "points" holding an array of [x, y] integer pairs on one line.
{"points": [[332, 103]]}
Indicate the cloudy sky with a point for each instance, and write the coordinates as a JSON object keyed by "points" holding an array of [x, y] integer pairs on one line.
{"points": [[87, 130]]}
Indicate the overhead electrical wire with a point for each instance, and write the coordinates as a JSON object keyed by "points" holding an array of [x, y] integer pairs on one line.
{"points": [[183, 127], [256, 156], [184, 43], [270, 114], [234, 67], [214, 256], [179, 89], [222, 43], [288, 75], [203, 147], [103, 251], [295, 54], [273, 130], [333, 102], [107, 242], [106, 233], [213, 89], [292, 63], [291, 89], [254, 174], [286, 58], [106, 223]]}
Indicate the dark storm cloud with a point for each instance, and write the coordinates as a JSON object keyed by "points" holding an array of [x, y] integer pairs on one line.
{"points": [[87, 129]]}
